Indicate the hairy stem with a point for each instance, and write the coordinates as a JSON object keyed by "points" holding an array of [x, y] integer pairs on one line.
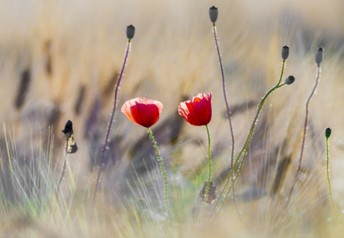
{"points": [[103, 158], [328, 172], [207, 188], [304, 131], [163, 172], [243, 152], [229, 116]]}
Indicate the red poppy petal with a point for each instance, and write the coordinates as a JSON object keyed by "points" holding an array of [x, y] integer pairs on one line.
{"points": [[198, 110], [142, 111]]}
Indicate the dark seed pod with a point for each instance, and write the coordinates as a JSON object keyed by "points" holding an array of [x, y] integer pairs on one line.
{"points": [[319, 55], [328, 132], [211, 193], [213, 13], [130, 32], [285, 52], [68, 130], [289, 80]]}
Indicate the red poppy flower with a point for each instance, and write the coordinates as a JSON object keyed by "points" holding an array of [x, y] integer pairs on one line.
{"points": [[197, 111], [142, 111]]}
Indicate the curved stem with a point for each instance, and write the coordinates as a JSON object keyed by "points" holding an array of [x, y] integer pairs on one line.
{"points": [[245, 149], [243, 152], [207, 188], [163, 172], [304, 132], [103, 159]]}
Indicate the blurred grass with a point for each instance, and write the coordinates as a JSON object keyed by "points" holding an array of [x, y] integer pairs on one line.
{"points": [[172, 55]]}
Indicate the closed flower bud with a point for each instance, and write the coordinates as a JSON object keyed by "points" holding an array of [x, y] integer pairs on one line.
{"points": [[130, 32], [213, 13], [328, 132], [289, 80], [319, 55], [285, 52]]}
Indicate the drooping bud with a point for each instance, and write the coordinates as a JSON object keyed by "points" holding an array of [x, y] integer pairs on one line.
{"points": [[285, 52], [319, 55], [130, 32], [289, 80], [328, 132], [213, 13]]}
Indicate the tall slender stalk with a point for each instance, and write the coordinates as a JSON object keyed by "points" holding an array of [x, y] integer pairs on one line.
{"points": [[207, 188], [243, 152], [229, 114], [318, 59], [163, 172], [103, 158], [327, 136]]}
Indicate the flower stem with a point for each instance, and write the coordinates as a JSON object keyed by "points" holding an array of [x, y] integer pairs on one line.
{"points": [[207, 188], [163, 172], [224, 92], [328, 172], [305, 131], [243, 152], [103, 158]]}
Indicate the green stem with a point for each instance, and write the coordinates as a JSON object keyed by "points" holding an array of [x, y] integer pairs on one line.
{"points": [[243, 152], [328, 172], [163, 172], [207, 188]]}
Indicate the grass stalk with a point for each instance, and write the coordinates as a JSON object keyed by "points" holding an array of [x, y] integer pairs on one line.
{"points": [[63, 171]]}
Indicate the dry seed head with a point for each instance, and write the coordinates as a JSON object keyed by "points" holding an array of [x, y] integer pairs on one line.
{"points": [[213, 13], [289, 80], [285, 52], [328, 132], [130, 32], [319, 55]]}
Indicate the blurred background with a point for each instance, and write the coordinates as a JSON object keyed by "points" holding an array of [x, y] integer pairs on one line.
{"points": [[59, 61]]}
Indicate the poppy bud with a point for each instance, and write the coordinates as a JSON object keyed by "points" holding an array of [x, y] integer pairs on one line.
{"points": [[130, 32], [285, 52], [319, 55], [213, 13], [289, 80], [328, 132]]}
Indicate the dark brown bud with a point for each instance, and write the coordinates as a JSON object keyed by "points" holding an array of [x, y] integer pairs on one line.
{"points": [[319, 55], [328, 132], [130, 32], [68, 130], [289, 80], [285, 52], [213, 13]]}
